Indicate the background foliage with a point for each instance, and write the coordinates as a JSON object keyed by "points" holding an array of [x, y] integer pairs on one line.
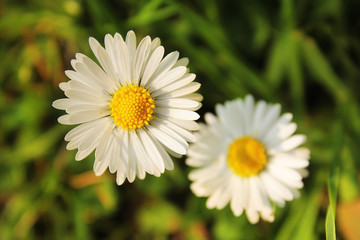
{"points": [[302, 54]]}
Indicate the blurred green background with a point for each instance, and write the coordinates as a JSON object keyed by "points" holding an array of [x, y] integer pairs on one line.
{"points": [[302, 54]]}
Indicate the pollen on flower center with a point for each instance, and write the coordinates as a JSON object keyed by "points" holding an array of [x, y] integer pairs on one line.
{"points": [[132, 107], [246, 156]]}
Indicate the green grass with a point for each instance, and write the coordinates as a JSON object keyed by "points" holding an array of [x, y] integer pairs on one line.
{"points": [[302, 54]]}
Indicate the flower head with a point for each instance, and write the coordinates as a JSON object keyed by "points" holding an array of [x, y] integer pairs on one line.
{"points": [[134, 110], [248, 156]]}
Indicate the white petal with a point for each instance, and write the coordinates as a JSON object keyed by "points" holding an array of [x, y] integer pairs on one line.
{"points": [[93, 136], [131, 43], [277, 189], [249, 113], [189, 88], [176, 103], [119, 178], [64, 86], [151, 150], [142, 53], [65, 120], [83, 107], [290, 161], [100, 78], [163, 68], [187, 124], [101, 159], [188, 136], [122, 57], [177, 113], [114, 154], [102, 56], [168, 78], [140, 154], [64, 103], [181, 82], [181, 62], [293, 142], [167, 140], [259, 113], [128, 156], [165, 156], [86, 97], [86, 116], [106, 63], [271, 116], [152, 65], [252, 215], [237, 200], [158, 123], [194, 96], [154, 44]]}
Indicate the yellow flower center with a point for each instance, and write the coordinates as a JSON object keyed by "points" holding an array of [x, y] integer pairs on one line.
{"points": [[246, 156], [132, 107]]}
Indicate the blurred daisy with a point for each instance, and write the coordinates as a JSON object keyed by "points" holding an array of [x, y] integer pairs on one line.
{"points": [[133, 110], [247, 156]]}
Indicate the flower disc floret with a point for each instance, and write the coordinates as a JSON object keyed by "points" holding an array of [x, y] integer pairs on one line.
{"points": [[246, 156], [132, 107]]}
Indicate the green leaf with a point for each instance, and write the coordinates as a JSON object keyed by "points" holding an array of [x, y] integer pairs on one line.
{"points": [[333, 182]]}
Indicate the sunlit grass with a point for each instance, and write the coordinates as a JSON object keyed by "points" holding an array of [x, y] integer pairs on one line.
{"points": [[304, 55]]}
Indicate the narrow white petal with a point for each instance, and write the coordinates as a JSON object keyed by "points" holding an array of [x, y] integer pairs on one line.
{"points": [[167, 141], [64, 86], [237, 200], [142, 53], [64, 103], [86, 116], [177, 113], [122, 57], [249, 113], [182, 62], [168, 78], [154, 44], [163, 67], [99, 77], [187, 124], [152, 65], [290, 161], [165, 156], [151, 150], [131, 43], [176, 103], [100, 151], [194, 96], [188, 136], [277, 189], [181, 82], [64, 119], [120, 178], [259, 113], [293, 142], [131, 174], [252, 215], [114, 152], [158, 123], [140, 154], [106, 63], [190, 88], [269, 120], [87, 97]]}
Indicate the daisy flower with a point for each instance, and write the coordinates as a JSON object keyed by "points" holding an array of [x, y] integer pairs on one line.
{"points": [[134, 110], [248, 157]]}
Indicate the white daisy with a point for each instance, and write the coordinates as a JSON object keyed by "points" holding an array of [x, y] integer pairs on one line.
{"points": [[133, 110], [247, 156]]}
